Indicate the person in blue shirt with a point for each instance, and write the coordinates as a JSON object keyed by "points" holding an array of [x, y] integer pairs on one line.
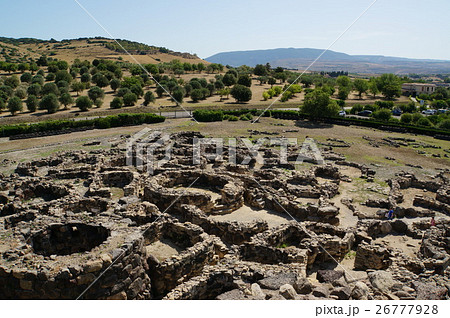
{"points": [[390, 214]]}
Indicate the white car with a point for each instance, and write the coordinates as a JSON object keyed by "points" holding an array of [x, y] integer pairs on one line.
{"points": [[342, 113], [429, 112]]}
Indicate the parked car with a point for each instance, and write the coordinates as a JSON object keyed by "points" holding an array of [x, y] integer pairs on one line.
{"points": [[365, 113], [442, 111], [429, 112], [397, 112], [342, 113]]}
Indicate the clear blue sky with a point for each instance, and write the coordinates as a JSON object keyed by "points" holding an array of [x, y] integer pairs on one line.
{"points": [[404, 28]]}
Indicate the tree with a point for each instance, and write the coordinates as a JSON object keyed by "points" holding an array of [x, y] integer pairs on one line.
{"points": [[241, 93], [116, 103], [77, 87], [343, 92], [32, 103], [34, 89], [271, 81], [265, 96], [406, 118], [26, 77], [130, 99], [38, 79], [245, 80], [50, 88], [83, 103], [344, 81], [319, 104], [149, 97], [229, 79], [196, 95], [115, 84], [178, 95], [361, 86], [260, 70], [20, 92], [224, 92], [2, 105], [137, 89], [200, 67], [424, 121], [66, 99], [85, 78], [122, 91], [100, 80], [373, 87], [15, 105], [63, 76], [12, 81], [50, 103], [96, 93], [390, 85]]}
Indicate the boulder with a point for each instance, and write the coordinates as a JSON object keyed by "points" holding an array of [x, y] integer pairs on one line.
{"points": [[275, 282], [430, 291], [302, 285], [343, 293], [287, 291], [385, 227], [321, 292], [381, 280], [257, 292], [234, 294], [360, 292], [328, 275]]}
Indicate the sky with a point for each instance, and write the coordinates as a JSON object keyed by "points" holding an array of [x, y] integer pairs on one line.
{"points": [[402, 28]]}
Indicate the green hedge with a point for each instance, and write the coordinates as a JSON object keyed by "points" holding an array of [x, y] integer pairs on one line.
{"points": [[100, 123], [208, 115]]}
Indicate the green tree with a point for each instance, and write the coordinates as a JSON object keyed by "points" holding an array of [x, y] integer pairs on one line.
{"points": [[260, 70], [424, 121], [178, 95], [85, 78], [319, 104], [116, 103], [34, 89], [115, 84], [38, 79], [245, 80], [84, 103], [373, 87], [130, 99], [343, 92], [149, 97], [26, 77], [229, 79], [271, 81], [361, 86], [344, 81], [50, 103], [201, 67], [50, 88], [196, 95], [100, 80], [15, 105], [77, 87], [63, 76], [96, 93], [406, 118], [66, 99], [12, 81], [390, 85], [32, 103], [20, 92], [241, 93]]}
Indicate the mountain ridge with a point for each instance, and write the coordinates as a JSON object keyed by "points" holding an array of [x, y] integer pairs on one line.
{"points": [[301, 58]]}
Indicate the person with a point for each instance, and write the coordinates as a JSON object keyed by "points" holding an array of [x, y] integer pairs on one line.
{"points": [[433, 222], [390, 214]]}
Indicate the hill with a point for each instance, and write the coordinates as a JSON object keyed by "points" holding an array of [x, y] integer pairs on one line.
{"points": [[293, 58], [16, 50]]}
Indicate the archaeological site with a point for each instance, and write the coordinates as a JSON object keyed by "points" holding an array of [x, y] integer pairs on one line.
{"points": [[87, 224]]}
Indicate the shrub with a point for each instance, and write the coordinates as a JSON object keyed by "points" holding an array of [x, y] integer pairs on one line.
{"points": [[265, 96], [241, 93], [416, 117], [356, 109], [406, 118], [382, 114], [408, 108], [286, 96], [385, 104], [116, 103], [208, 115], [424, 121], [445, 124], [232, 118]]}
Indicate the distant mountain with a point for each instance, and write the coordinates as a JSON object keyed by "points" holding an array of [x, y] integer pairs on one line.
{"points": [[331, 61]]}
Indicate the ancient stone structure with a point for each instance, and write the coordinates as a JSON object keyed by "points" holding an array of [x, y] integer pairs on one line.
{"points": [[85, 224]]}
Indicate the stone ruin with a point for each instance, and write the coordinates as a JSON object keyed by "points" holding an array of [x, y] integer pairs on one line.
{"points": [[85, 224]]}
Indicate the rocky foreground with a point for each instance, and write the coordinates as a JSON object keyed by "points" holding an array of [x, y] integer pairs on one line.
{"points": [[68, 218]]}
